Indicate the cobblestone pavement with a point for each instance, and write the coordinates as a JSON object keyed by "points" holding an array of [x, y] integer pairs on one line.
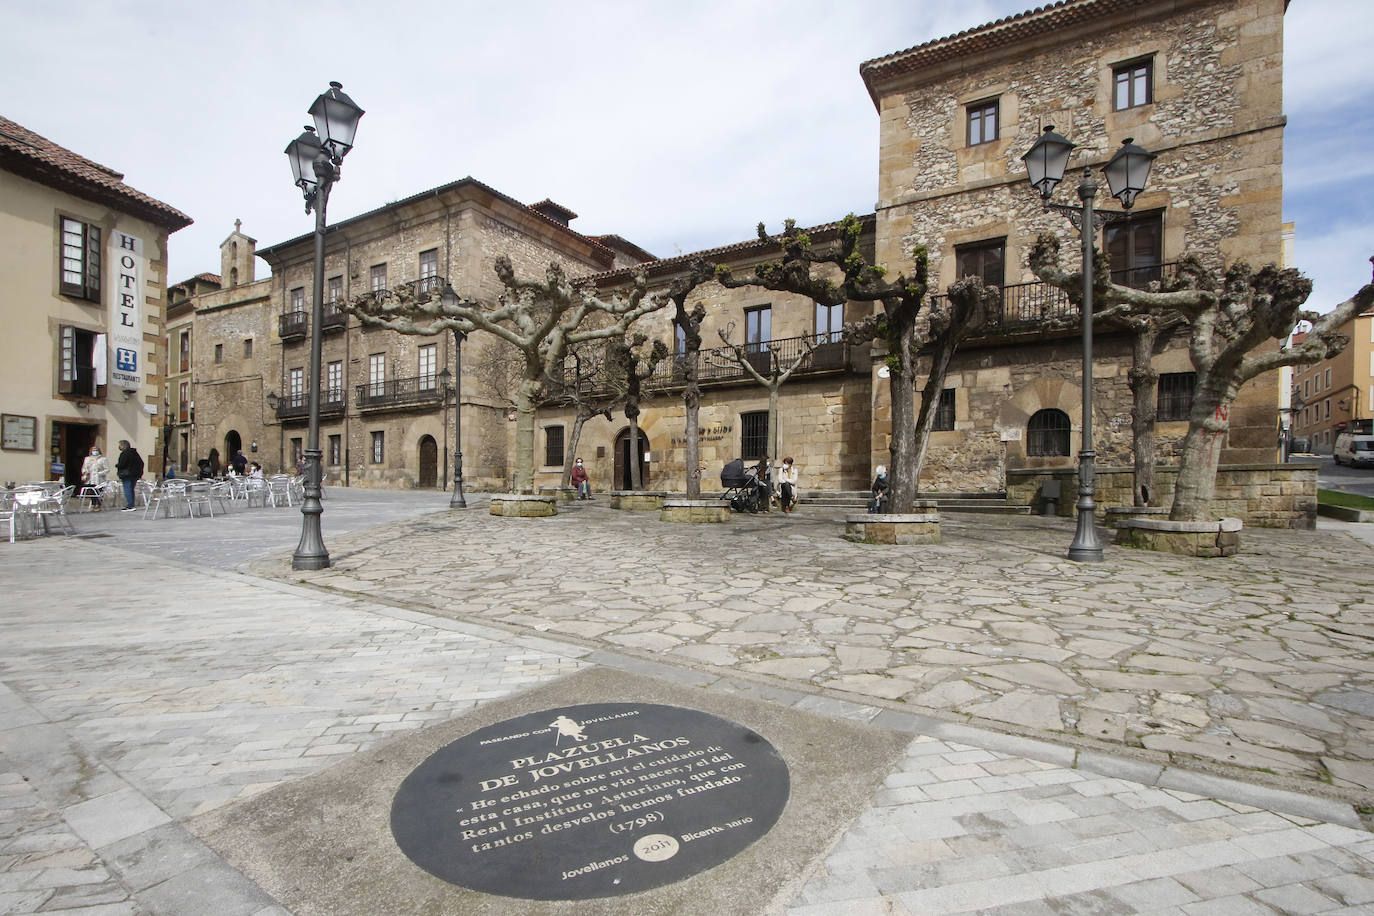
{"points": [[137, 692], [1259, 662]]}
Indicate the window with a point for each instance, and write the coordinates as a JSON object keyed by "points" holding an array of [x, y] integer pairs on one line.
{"points": [[829, 322], [680, 342], [76, 372], [1136, 248], [184, 359], [984, 260], [378, 447], [427, 363], [429, 270], [219, 353], [378, 276], [1328, 379], [297, 299], [335, 289], [1307, 388], [553, 446], [297, 451], [944, 414], [248, 348], [295, 388], [1047, 434], [753, 435], [1326, 409], [334, 393], [982, 122], [1175, 395], [758, 327], [376, 374], [80, 260], [184, 402], [1133, 84], [336, 449]]}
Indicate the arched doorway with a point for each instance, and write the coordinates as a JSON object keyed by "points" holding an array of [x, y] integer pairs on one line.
{"points": [[429, 462], [233, 444], [622, 459]]}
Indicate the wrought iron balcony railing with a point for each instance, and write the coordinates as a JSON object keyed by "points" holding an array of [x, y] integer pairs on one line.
{"points": [[293, 325], [335, 318], [297, 406], [420, 391]]}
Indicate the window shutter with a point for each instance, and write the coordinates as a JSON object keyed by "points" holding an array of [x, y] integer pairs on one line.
{"points": [[66, 379]]}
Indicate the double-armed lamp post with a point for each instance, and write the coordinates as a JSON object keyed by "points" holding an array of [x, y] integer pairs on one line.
{"points": [[315, 159], [1127, 172]]}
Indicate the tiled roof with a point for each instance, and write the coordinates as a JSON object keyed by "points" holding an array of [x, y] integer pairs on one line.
{"points": [[605, 253], [983, 38], [752, 246], [26, 153]]}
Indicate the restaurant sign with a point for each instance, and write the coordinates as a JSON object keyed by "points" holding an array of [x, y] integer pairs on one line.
{"points": [[126, 311]]}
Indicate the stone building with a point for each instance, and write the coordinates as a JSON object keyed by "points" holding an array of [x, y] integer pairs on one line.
{"points": [[178, 406], [386, 414], [84, 257], [1197, 82], [1336, 394]]}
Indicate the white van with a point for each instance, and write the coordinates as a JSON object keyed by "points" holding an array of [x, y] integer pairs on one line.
{"points": [[1354, 449]]}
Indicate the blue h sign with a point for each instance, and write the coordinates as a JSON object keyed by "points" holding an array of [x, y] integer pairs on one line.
{"points": [[126, 360]]}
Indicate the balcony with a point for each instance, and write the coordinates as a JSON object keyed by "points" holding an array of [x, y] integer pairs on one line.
{"points": [[1037, 306], [293, 325], [335, 319], [297, 406], [401, 393]]}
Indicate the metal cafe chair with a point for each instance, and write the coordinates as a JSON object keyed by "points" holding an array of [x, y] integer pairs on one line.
{"points": [[280, 485], [257, 491], [198, 496], [167, 497], [12, 513], [54, 505]]}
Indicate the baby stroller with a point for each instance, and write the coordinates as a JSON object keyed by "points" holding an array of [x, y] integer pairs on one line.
{"points": [[741, 487]]}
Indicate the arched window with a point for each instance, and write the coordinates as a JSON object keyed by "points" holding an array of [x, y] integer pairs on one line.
{"points": [[1047, 434]]}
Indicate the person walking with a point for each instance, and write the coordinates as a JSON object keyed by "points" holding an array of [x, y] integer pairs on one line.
{"points": [[94, 471], [787, 485], [579, 479], [129, 468]]}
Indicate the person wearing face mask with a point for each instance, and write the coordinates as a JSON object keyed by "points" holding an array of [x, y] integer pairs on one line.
{"points": [[579, 479], [94, 470]]}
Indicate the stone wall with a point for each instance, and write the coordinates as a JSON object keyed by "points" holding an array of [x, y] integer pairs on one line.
{"points": [[1260, 495]]}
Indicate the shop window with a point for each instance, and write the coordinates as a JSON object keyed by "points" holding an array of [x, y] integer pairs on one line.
{"points": [[1047, 434]]}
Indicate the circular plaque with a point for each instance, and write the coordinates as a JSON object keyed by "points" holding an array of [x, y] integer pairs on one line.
{"points": [[589, 801]]}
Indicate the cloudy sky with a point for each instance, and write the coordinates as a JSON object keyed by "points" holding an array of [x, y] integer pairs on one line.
{"points": [[676, 125]]}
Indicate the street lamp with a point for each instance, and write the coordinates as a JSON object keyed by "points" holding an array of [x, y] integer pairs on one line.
{"points": [[315, 159], [1127, 172], [449, 300]]}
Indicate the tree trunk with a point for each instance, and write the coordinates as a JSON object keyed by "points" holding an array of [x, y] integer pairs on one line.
{"points": [[902, 385], [930, 405], [773, 437], [525, 394], [691, 397], [570, 454], [636, 478], [1144, 384], [1197, 471]]}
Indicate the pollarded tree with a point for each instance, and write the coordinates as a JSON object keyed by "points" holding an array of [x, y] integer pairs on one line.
{"points": [[585, 391], [778, 371], [907, 325], [541, 319], [630, 361], [1230, 317], [686, 359]]}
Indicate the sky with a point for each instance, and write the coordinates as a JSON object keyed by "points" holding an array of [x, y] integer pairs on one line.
{"points": [[678, 126]]}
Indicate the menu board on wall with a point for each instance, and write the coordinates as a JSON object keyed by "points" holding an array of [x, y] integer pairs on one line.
{"points": [[19, 433]]}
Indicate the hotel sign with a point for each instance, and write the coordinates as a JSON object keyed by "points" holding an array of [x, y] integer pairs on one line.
{"points": [[126, 311]]}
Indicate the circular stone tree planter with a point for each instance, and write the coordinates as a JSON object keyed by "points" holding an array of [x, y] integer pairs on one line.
{"points": [[695, 511], [521, 505], [1219, 538], [559, 494], [638, 500], [1115, 515], [919, 527]]}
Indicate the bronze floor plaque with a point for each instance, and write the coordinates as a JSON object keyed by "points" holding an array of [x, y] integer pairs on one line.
{"points": [[589, 801]]}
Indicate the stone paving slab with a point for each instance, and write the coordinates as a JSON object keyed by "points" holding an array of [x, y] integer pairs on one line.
{"points": [[969, 821], [1257, 664]]}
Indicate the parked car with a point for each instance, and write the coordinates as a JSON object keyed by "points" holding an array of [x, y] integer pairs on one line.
{"points": [[1354, 449]]}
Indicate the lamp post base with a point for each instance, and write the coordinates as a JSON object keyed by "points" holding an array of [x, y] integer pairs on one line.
{"points": [[311, 552], [458, 501], [1086, 548]]}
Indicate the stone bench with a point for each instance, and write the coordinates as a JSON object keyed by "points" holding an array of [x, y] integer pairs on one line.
{"points": [[638, 500], [1220, 538], [559, 494], [522, 505], [695, 511], [919, 527], [1115, 515]]}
